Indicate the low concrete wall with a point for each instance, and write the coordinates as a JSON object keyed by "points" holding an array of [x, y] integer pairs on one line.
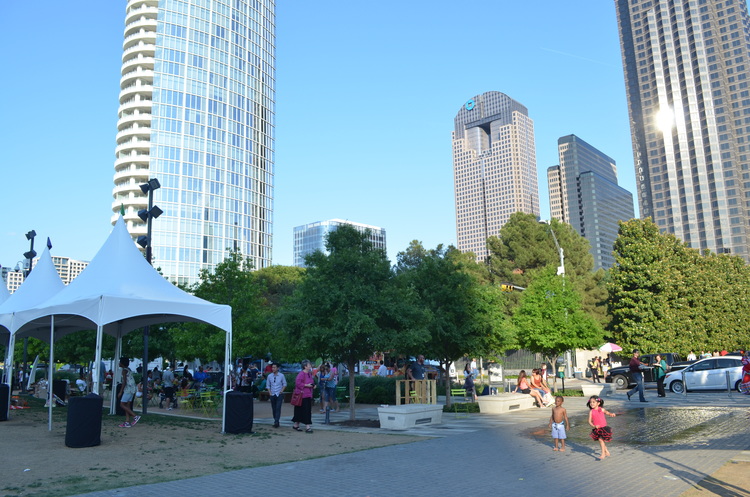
{"points": [[506, 402], [410, 415], [600, 389]]}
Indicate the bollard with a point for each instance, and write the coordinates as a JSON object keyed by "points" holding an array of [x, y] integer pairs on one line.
{"points": [[684, 385], [328, 415], [729, 384]]}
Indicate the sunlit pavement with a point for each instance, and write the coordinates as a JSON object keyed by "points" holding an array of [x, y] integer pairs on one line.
{"points": [[661, 448]]}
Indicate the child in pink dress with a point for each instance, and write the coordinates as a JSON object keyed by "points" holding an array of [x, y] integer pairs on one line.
{"points": [[598, 420]]}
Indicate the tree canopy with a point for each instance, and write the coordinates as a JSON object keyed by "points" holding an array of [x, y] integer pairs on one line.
{"points": [[666, 296], [348, 305]]}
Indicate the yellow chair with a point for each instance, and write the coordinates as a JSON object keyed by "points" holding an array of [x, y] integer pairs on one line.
{"points": [[208, 402]]}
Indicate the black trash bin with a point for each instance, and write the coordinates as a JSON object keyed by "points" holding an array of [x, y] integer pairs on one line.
{"points": [[84, 427], [59, 388], [239, 412], [4, 399]]}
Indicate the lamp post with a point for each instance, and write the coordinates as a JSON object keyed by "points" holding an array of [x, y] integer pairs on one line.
{"points": [[560, 272], [146, 216], [30, 257]]}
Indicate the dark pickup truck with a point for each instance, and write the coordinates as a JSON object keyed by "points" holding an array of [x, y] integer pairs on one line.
{"points": [[622, 378]]}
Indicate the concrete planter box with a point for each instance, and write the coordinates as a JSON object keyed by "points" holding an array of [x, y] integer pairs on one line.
{"points": [[506, 402], [599, 389], [409, 416]]}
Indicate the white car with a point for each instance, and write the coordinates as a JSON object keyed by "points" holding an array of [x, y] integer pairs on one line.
{"points": [[707, 374]]}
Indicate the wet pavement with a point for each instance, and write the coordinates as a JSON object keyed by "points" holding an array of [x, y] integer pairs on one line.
{"points": [[662, 447]]}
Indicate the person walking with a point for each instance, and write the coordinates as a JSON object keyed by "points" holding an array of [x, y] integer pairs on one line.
{"points": [[276, 383], [635, 371], [660, 371], [127, 393], [304, 383], [469, 382]]}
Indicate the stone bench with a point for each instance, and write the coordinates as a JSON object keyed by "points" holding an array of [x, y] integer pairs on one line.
{"points": [[599, 389], [505, 402], [409, 416]]}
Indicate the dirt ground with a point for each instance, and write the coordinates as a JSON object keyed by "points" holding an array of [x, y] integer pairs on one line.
{"points": [[41, 465], [731, 480]]}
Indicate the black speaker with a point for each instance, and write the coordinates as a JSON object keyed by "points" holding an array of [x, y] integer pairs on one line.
{"points": [[59, 388], [84, 427], [239, 412], [4, 401]]}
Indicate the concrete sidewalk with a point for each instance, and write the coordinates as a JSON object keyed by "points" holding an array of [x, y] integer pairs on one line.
{"points": [[509, 453]]}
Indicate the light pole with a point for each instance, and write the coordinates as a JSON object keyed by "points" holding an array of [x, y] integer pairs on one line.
{"points": [[145, 241], [560, 272], [30, 256]]}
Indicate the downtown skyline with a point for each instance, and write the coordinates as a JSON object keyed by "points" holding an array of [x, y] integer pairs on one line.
{"points": [[363, 120]]}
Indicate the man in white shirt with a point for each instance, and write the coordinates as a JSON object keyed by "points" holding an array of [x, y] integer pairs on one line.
{"points": [[276, 383], [382, 370]]}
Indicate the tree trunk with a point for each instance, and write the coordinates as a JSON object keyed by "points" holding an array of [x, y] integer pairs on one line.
{"points": [[445, 370], [352, 413]]}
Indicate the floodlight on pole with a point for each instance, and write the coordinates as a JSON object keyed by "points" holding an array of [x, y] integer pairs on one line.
{"points": [[146, 216]]}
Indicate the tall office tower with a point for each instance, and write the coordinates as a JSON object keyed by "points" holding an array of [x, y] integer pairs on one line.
{"points": [[583, 192], [311, 237], [686, 75], [494, 168], [197, 113]]}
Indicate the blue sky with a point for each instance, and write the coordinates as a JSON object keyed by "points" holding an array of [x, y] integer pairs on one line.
{"points": [[365, 101]]}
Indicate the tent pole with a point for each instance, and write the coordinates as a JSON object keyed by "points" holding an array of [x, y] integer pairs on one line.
{"points": [[227, 379], [51, 367], [118, 352], [9, 370]]}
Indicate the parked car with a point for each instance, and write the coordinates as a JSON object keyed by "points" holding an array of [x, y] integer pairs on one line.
{"points": [[707, 374], [622, 377]]}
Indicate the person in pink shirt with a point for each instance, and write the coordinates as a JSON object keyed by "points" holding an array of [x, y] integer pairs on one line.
{"points": [[598, 420]]}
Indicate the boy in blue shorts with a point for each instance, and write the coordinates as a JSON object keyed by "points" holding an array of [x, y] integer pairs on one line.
{"points": [[557, 422]]}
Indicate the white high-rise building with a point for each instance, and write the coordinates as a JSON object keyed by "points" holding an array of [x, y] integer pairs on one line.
{"points": [[494, 168], [197, 114]]}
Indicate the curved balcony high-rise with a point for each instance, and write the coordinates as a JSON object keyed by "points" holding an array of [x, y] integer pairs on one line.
{"points": [[197, 93]]}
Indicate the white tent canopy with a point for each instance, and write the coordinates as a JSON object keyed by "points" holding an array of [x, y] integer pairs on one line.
{"points": [[41, 284], [119, 292]]}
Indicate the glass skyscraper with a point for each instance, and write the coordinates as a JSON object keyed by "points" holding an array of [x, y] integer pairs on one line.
{"points": [[494, 168], [197, 113], [584, 193], [311, 237], [686, 75]]}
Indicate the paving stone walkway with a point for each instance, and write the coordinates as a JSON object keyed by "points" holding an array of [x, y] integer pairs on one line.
{"points": [[485, 455]]}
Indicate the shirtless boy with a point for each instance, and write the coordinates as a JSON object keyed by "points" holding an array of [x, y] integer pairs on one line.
{"points": [[557, 422]]}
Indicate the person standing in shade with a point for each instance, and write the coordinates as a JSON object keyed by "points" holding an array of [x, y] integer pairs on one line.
{"points": [[167, 382], [382, 370], [660, 371], [276, 383], [304, 383], [416, 371], [635, 371]]}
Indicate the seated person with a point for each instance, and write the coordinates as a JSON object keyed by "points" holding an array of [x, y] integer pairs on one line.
{"points": [[81, 383], [523, 386]]}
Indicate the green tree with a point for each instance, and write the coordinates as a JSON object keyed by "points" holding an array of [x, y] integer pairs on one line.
{"points": [[666, 296], [464, 316], [349, 306], [550, 319], [525, 246], [231, 283]]}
